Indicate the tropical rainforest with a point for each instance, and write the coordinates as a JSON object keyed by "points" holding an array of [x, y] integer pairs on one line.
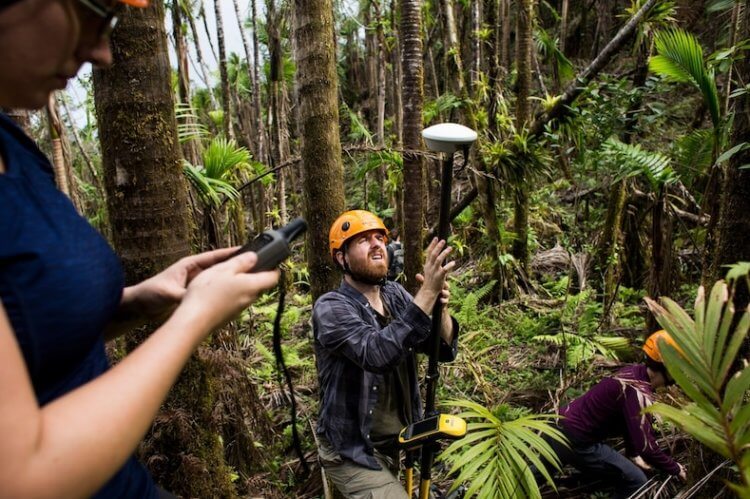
{"points": [[607, 196]]}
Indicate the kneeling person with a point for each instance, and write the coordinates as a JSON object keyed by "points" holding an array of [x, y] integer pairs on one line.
{"points": [[366, 335]]}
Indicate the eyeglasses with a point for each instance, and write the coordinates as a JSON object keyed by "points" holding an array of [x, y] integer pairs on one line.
{"points": [[107, 15]]}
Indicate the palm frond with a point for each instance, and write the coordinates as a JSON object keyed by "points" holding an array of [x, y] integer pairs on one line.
{"points": [[443, 104], [680, 59], [702, 364], [223, 158], [188, 125], [549, 47], [693, 151], [497, 455], [358, 131]]}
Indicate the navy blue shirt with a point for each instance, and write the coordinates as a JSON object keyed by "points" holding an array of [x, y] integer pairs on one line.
{"points": [[60, 284], [353, 351]]}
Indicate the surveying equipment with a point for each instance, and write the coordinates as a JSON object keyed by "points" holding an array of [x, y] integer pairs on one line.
{"points": [[272, 246], [443, 138], [440, 427]]}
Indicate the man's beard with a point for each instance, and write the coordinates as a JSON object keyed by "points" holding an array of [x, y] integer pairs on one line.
{"points": [[371, 272]]}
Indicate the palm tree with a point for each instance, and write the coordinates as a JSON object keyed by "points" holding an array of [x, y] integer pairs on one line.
{"points": [[412, 74], [680, 59], [225, 95], [705, 365], [318, 116], [223, 164], [147, 201], [524, 46]]}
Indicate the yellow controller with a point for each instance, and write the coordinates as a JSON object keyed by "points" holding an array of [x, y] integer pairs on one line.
{"points": [[440, 427]]}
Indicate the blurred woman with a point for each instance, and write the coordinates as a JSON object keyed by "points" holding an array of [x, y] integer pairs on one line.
{"points": [[68, 423]]}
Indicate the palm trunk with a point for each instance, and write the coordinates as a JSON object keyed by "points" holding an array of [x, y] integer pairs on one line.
{"points": [[524, 43], [201, 60], [226, 98], [318, 120], [412, 71], [191, 148], [563, 24], [453, 51], [398, 81], [147, 200], [504, 8]]}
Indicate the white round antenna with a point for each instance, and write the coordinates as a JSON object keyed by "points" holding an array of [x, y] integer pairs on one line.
{"points": [[448, 137]]}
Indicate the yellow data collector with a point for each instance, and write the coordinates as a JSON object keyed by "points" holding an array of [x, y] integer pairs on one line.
{"points": [[440, 427]]}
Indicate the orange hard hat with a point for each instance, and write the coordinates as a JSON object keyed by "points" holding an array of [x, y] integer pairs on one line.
{"points": [[141, 4], [652, 348], [351, 223]]}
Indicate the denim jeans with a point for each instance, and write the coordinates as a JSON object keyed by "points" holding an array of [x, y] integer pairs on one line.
{"points": [[601, 462]]}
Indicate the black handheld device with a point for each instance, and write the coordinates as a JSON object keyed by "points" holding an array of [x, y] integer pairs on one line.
{"points": [[273, 245]]}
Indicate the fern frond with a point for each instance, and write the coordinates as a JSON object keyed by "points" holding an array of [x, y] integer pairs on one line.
{"points": [[654, 166]]}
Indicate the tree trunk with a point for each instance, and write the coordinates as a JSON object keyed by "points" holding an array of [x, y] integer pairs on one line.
{"points": [[147, 200], [412, 71], [453, 51], [609, 260], [226, 100], [733, 228], [318, 120], [277, 107], [191, 148], [398, 81], [261, 150], [504, 8], [524, 46], [563, 24], [199, 56]]}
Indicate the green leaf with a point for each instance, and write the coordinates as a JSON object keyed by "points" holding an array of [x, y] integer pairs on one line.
{"points": [[680, 59], [736, 390], [687, 377], [735, 343], [716, 300], [731, 152], [691, 425], [738, 270]]}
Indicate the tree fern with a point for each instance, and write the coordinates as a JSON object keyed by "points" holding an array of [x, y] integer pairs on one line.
{"points": [[636, 161], [706, 370], [580, 348], [468, 314]]}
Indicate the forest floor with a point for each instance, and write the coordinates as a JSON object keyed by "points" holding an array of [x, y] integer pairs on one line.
{"points": [[527, 355]]}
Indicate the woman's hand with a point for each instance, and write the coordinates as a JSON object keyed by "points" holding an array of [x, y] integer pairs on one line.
{"points": [[218, 294], [157, 297]]}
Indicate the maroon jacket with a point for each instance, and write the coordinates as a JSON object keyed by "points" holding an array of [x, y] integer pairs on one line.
{"points": [[612, 408]]}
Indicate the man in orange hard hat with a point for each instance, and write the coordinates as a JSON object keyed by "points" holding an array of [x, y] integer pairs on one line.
{"points": [[613, 408], [366, 335]]}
